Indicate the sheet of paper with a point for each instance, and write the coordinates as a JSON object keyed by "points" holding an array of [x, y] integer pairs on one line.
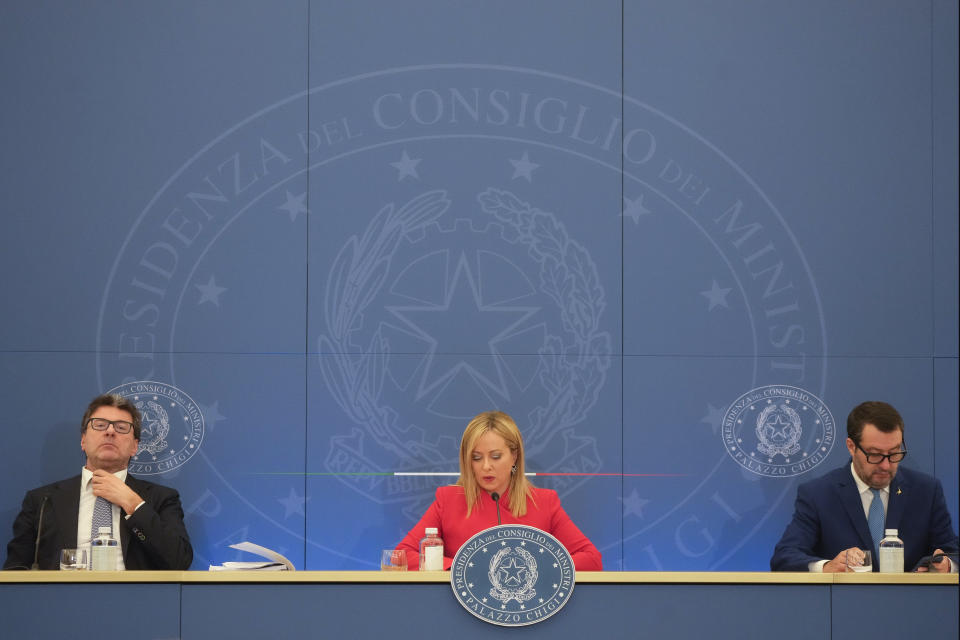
{"points": [[263, 552], [274, 561], [248, 566]]}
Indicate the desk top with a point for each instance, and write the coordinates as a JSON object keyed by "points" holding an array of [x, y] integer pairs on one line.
{"points": [[583, 577]]}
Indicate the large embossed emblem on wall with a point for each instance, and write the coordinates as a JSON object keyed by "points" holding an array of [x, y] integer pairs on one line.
{"points": [[360, 268], [416, 276]]}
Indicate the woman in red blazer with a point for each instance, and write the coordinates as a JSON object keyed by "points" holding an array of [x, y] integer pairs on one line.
{"points": [[492, 464]]}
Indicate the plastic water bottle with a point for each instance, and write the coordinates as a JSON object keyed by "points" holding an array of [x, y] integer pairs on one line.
{"points": [[891, 552], [103, 551], [431, 551]]}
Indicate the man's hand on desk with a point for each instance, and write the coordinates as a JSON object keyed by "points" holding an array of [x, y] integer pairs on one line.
{"points": [[943, 566], [839, 564]]}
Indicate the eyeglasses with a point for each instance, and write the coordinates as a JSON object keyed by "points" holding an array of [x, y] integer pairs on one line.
{"points": [[101, 424], [877, 458]]}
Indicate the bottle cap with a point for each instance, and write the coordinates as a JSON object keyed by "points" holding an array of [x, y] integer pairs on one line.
{"points": [[430, 530], [890, 532], [104, 530]]}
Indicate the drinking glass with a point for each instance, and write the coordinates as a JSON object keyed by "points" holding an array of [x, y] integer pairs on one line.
{"points": [[393, 560], [855, 564], [73, 560]]}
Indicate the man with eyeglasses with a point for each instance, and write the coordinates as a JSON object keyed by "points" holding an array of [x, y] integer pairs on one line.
{"points": [[833, 514], [146, 518]]}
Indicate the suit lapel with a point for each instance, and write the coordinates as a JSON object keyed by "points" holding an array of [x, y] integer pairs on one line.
{"points": [[899, 490], [849, 497], [66, 505], [134, 484]]}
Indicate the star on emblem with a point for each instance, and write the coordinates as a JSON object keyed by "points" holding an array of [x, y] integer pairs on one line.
{"points": [[523, 168], [210, 292], [512, 571], [634, 209], [211, 414], [406, 166], [716, 296], [633, 504], [293, 504], [714, 417], [294, 205], [492, 324]]}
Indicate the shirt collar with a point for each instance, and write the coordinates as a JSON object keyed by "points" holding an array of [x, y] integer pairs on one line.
{"points": [[86, 475], [863, 487]]}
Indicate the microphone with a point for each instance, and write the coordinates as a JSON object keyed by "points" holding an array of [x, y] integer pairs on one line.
{"points": [[36, 545], [496, 501]]}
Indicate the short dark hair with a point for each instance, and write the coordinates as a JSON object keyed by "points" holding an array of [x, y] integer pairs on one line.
{"points": [[113, 400], [880, 414]]}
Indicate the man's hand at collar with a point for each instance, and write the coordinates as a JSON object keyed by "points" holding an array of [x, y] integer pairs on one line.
{"points": [[112, 488]]}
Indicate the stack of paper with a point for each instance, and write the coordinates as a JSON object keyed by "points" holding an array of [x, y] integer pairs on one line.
{"points": [[274, 561]]}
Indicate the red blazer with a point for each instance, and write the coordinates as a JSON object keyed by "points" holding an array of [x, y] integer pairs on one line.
{"points": [[448, 514]]}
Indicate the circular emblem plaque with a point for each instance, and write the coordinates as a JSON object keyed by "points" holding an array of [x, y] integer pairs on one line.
{"points": [[172, 428], [512, 575], [778, 431]]}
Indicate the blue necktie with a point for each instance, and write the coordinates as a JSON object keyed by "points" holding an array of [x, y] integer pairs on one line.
{"points": [[102, 517], [875, 519]]}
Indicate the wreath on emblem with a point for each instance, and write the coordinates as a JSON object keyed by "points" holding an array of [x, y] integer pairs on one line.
{"points": [[513, 582], [154, 427], [781, 437], [359, 272], [572, 372]]}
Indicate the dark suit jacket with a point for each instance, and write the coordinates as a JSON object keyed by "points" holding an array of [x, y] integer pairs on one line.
{"points": [[153, 538], [828, 518]]}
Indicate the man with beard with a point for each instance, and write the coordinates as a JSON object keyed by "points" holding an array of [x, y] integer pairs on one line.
{"points": [[832, 512]]}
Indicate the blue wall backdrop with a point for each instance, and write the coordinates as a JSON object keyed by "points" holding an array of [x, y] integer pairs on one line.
{"points": [[315, 238]]}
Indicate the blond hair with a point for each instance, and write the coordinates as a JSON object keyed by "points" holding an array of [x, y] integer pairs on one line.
{"points": [[503, 425]]}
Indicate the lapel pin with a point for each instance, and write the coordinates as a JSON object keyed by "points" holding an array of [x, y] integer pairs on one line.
{"points": [[899, 491]]}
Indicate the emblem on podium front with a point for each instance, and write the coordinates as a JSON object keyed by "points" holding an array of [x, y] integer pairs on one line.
{"points": [[512, 575]]}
